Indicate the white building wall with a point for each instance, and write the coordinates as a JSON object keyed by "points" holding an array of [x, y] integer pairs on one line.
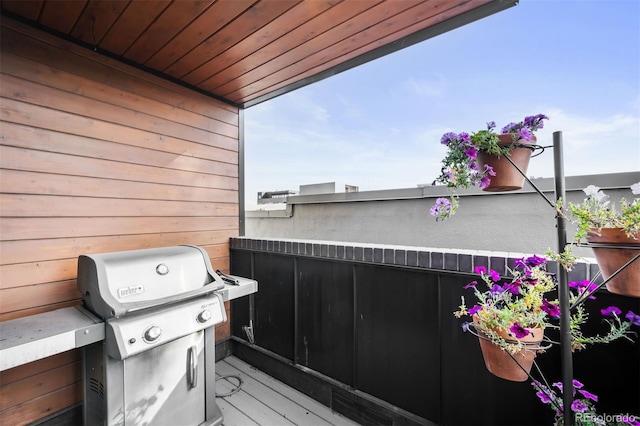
{"points": [[520, 221]]}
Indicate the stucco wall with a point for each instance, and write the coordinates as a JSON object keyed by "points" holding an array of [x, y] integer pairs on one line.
{"points": [[520, 221]]}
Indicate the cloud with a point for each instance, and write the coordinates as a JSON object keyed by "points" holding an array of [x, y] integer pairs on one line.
{"points": [[591, 144], [424, 88]]}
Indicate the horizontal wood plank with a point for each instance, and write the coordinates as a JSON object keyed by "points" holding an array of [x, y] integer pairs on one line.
{"points": [[40, 46], [57, 227], [19, 205], [17, 296], [37, 408], [36, 367], [120, 143], [48, 162], [44, 75], [6, 316], [35, 183], [40, 384], [75, 110], [55, 273], [23, 251]]}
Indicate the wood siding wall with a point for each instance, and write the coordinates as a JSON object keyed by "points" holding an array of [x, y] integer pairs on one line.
{"points": [[96, 156]]}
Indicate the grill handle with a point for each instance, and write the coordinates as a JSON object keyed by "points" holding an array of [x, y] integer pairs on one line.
{"points": [[192, 372]]}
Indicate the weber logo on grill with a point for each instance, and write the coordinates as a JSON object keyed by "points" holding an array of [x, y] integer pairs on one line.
{"points": [[130, 291]]}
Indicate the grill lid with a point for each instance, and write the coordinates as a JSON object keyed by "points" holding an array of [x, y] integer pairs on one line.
{"points": [[114, 284]]}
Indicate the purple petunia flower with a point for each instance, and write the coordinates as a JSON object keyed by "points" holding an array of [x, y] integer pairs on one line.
{"points": [[470, 285], [550, 308], [496, 289], [588, 395], [475, 309], [519, 263], [543, 397], [495, 276], [471, 152], [584, 286], [518, 330], [511, 127], [534, 260], [578, 405], [484, 182], [442, 206], [577, 384], [610, 311], [447, 138], [633, 318], [525, 134], [578, 284], [537, 122], [480, 270], [513, 288], [489, 170]]}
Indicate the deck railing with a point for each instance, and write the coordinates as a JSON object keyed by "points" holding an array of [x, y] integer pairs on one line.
{"points": [[369, 331]]}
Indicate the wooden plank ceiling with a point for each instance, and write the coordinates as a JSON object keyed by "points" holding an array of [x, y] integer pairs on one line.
{"points": [[248, 51]]}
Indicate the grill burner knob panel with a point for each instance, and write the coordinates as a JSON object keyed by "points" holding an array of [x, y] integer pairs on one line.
{"points": [[152, 334], [204, 316], [150, 328]]}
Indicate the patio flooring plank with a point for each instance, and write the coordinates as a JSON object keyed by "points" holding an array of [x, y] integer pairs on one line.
{"points": [[233, 416], [267, 401]]}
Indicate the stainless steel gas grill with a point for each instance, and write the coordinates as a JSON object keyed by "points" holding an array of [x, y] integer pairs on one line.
{"points": [[156, 365]]}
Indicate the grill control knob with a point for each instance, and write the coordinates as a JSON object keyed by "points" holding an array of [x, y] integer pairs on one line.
{"points": [[204, 316], [151, 334]]}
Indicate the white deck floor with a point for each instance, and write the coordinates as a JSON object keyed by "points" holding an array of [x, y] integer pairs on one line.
{"points": [[265, 401]]}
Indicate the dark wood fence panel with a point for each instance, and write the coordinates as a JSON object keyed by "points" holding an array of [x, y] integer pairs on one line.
{"points": [[397, 315], [275, 304], [412, 362], [96, 156], [325, 318]]}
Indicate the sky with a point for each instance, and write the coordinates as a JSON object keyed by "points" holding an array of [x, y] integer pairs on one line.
{"points": [[378, 126]]}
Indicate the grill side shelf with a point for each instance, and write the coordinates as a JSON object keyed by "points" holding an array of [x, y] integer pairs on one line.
{"points": [[31, 338]]}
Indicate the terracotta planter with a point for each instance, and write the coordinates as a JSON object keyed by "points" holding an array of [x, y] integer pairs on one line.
{"points": [[507, 177], [501, 364], [627, 282]]}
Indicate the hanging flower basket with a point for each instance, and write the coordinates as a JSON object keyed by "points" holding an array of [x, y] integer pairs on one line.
{"points": [[514, 367], [627, 281], [480, 159], [507, 177]]}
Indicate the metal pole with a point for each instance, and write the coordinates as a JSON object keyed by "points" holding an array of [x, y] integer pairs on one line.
{"points": [[563, 287]]}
